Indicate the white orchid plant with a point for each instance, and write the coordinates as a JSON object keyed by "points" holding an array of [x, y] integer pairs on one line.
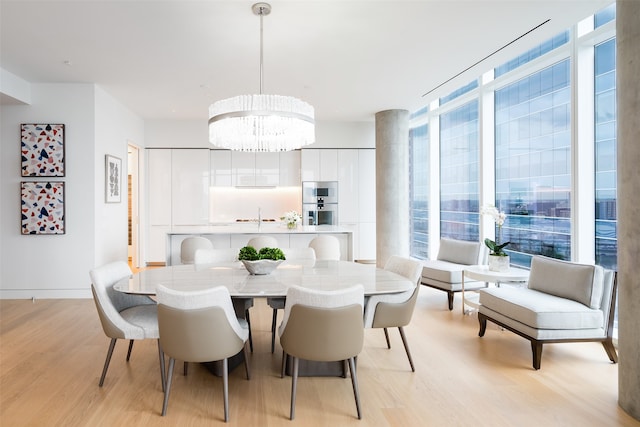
{"points": [[499, 217], [291, 217]]}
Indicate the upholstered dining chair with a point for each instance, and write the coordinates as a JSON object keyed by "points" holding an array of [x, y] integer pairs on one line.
{"points": [[200, 326], [276, 303], [323, 326], [260, 242], [190, 245], [215, 256], [326, 247], [123, 316], [395, 310]]}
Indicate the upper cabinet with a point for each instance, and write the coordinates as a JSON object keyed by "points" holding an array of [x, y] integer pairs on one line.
{"points": [[290, 168], [255, 169], [221, 168], [319, 164]]}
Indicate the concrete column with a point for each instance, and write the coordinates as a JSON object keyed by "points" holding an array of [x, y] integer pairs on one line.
{"points": [[392, 185], [628, 92]]}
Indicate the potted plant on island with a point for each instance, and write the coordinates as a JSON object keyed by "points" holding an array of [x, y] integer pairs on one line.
{"points": [[498, 258], [260, 262]]}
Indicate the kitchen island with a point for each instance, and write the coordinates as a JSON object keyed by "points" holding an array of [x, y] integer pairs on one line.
{"points": [[236, 235]]}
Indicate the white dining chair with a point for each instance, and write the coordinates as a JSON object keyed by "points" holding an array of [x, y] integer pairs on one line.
{"points": [[326, 247], [190, 245]]}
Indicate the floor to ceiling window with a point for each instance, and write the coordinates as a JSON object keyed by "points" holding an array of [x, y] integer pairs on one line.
{"points": [[459, 176], [533, 163], [605, 154], [419, 185]]}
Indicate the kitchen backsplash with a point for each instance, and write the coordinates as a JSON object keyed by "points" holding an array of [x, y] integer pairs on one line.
{"points": [[229, 204]]}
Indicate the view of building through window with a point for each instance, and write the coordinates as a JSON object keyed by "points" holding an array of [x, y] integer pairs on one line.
{"points": [[533, 164], [459, 153]]}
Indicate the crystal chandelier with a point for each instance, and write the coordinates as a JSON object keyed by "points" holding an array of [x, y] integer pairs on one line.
{"points": [[261, 122]]}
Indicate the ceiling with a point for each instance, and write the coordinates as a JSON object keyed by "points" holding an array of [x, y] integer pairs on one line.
{"points": [[349, 59]]}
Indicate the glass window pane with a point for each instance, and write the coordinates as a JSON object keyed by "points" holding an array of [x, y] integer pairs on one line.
{"points": [[419, 185], [605, 150], [459, 155], [533, 165]]}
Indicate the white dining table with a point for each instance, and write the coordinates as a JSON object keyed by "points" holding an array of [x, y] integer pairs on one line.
{"points": [[318, 275]]}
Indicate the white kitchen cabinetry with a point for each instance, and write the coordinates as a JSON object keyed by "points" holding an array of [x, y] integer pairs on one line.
{"points": [[348, 176], [366, 240], [255, 169], [290, 168], [221, 168], [319, 164], [190, 186], [159, 185], [178, 189]]}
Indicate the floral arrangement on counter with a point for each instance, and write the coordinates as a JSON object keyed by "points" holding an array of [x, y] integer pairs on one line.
{"points": [[499, 217], [291, 218]]}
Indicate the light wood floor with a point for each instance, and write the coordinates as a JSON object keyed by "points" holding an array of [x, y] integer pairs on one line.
{"points": [[52, 352]]}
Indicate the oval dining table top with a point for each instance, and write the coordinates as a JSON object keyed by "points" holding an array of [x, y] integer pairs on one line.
{"points": [[318, 275]]}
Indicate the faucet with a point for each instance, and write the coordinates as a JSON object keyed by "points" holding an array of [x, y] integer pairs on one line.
{"points": [[259, 217]]}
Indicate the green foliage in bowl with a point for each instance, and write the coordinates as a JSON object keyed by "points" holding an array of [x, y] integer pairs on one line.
{"points": [[249, 253]]}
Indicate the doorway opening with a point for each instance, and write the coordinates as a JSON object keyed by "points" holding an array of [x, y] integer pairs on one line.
{"points": [[133, 205]]}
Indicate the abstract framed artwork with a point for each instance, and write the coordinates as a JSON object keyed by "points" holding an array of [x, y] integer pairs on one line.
{"points": [[113, 181], [42, 207], [42, 149]]}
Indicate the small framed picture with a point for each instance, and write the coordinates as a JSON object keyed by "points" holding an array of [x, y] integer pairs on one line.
{"points": [[42, 207], [113, 179], [42, 149]]}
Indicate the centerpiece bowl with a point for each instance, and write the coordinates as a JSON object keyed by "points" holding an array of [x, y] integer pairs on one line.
{"points": [[261, 266]]}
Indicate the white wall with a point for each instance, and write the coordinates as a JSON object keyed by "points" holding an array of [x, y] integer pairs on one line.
{"points": [[57, 266], [115, 128], [194, 134]]}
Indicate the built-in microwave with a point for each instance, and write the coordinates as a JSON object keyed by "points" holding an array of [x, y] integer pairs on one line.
{"points": [[324, 192], [320, 214]]}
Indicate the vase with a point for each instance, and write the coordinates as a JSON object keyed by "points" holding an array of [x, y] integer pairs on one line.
{"points": [[261, 267], [292, 225], [498, 263]]}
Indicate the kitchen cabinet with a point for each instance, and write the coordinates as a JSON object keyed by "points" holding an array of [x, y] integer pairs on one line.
{"points": [[190, 186], [159, 181], [290, 168], [221, 168], [319, 164], [178, 190], [367, 185], [348, 175], [255, 169]]}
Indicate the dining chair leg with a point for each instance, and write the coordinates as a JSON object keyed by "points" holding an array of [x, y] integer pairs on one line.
{"points": [[165, 403], [246, 362], [185, 368], [294, 384], [284, 364], [386, 336], [406, 347], [248, 319], [112, 345], [161, 357], [354, 383], [225, 387], [130, 348], [274, 319]]}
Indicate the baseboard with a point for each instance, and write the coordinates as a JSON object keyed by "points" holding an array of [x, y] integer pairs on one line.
{"points": [[45, 294]]}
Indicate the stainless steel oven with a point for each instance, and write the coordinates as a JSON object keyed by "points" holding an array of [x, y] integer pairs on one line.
{"points": [[320, 192], [320, 203], [320, 214]]}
